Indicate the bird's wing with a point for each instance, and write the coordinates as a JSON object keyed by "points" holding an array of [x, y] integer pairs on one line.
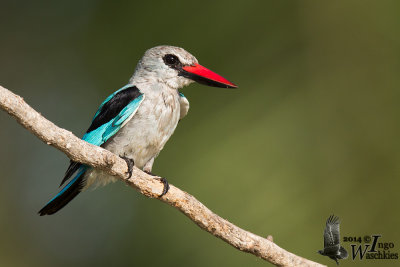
{"points": [[111, 116], [184, 103], [332, 232]]}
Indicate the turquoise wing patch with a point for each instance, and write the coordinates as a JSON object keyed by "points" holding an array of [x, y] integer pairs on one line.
{"points": [[102, 133]]}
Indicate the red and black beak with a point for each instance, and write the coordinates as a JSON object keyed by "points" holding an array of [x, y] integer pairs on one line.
{"points": [[202, 75]]}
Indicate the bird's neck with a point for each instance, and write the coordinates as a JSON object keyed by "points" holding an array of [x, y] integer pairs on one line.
{"points": [[152, 87]]}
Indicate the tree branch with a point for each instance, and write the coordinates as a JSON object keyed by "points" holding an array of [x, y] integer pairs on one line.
{"points": [[97, 157]]}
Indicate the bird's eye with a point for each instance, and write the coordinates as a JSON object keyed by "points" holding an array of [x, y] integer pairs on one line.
{"points": [[171, 60]]}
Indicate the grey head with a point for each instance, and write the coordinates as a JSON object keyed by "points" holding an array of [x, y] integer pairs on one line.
{"points": [[176, 68]]}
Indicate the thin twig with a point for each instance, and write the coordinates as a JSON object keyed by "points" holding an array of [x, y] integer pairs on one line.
{"points": [[97, 157]]}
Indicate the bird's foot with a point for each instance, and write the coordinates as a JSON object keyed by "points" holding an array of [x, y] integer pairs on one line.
{"points": [[162, 180], [166, 186], [130, 164]]}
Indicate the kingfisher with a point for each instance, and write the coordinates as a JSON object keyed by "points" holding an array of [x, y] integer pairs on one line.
{"points": [[137, 120]]}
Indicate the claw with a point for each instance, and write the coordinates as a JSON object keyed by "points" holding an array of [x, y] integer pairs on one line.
{"points": [[166, 186], [162, 180], [130, 164]]}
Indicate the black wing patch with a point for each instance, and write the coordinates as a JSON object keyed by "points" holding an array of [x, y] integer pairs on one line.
{"points": [[108, 111], [114, 106]]}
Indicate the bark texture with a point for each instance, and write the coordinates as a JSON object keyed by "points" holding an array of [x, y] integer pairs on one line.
{"points": [[97, 157]]}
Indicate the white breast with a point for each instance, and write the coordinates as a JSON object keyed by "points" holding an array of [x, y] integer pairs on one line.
{"points": [[145, 135]]}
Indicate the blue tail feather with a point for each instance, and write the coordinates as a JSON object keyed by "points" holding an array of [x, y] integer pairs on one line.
{"points": [[71, 190]]}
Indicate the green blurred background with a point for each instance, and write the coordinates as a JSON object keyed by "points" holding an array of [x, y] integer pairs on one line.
{"points": [[312, 130]]}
